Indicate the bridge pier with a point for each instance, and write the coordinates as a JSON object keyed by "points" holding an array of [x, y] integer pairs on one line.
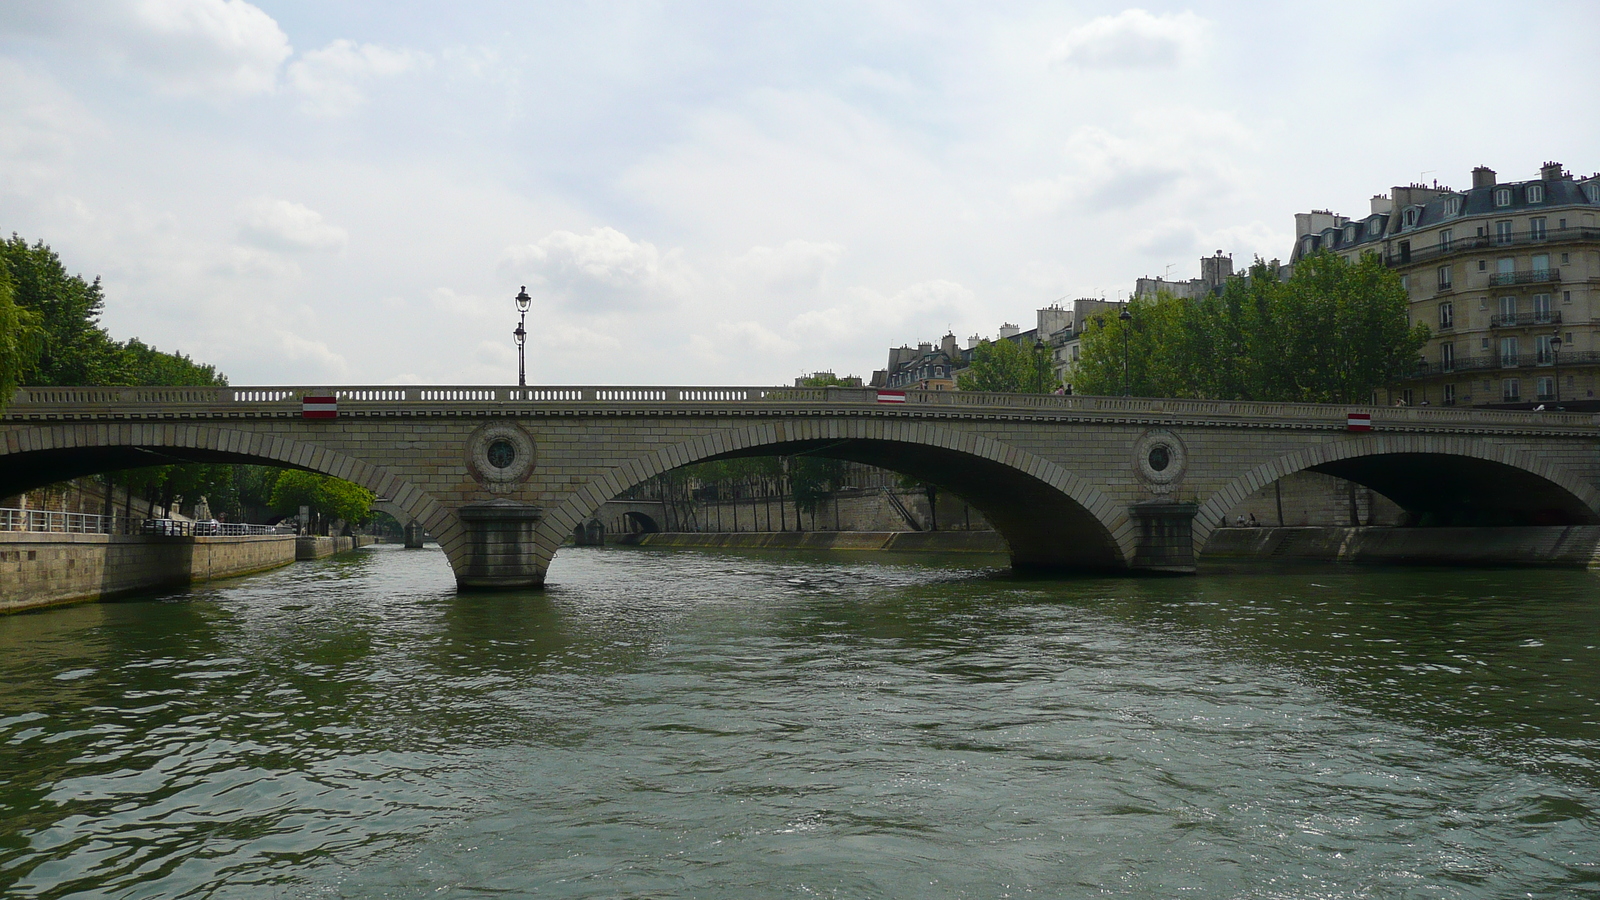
{"points": [[414, 535], [501, 550], [1164, 538]]}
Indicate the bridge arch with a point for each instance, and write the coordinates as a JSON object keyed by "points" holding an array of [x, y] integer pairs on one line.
{"points": [[1049, 517], [46, 454], [1451, 476]]}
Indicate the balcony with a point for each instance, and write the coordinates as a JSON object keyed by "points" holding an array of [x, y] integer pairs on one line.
{"points": [[1537, 276], [1492, 362], [1493, 242], [1525, 320]]}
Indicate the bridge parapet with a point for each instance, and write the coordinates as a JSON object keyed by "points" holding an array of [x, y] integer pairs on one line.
{"points": [[33, 403]]}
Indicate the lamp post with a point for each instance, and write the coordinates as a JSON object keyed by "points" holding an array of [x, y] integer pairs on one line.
{"points": [[1555, 362], [521, 334], [1125, 317]]}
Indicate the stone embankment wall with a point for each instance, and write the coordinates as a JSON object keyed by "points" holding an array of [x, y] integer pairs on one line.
{"points": [[44, 569], [1310, 498], [317, 547], [1538, 545], [926, 541]]}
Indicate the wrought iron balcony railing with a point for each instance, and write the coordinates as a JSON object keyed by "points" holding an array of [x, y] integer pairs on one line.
{"points": [[1537, 276], [1523, 320]]}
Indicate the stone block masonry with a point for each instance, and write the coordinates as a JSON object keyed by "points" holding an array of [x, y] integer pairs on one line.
{"points": [[46, 569]]}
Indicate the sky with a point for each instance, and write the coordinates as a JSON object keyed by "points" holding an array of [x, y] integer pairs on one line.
{"points": [[327, 193]]}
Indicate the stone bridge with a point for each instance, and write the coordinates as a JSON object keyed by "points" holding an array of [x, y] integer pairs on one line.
{"points": [[503, 475]]}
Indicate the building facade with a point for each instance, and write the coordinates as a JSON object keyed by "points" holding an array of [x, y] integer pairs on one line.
{"points": [[1505, 275]]}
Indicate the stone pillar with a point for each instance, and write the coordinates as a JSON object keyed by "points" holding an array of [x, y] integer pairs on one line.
{"points": [[1165, 540], [414, 535], [589, 534], [501, 552]]}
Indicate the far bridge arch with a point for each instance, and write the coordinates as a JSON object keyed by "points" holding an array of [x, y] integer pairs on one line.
{"points": [[57, 454], [1049, 517], [1443, 479]]}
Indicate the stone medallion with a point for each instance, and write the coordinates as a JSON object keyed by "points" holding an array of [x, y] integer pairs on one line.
{"points": [[500, 456], [1160, 460]]}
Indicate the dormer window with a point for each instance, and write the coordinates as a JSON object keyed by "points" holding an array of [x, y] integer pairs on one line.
{"points": [[1349, 233], [1411, 217], [1535, 193], [1502, 197], [1375, 228], [1592, 191], [1452, 206]]}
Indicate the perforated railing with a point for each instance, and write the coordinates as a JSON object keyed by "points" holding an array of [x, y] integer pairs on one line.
{"points": [[47, 402]]}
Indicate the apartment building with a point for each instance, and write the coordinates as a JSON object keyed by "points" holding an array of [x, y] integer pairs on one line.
{"points": [[1505, 275]]}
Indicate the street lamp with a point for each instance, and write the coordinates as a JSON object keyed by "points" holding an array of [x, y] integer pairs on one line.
{"points": [[1555, 362], [1125, 317], [521, 334]]}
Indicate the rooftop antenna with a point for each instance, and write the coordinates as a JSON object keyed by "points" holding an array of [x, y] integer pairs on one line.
{"points": [[1168, 275], [1422, 177]]}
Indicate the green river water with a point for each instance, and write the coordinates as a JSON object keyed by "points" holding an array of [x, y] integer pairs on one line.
{"points": [[680, 724]]}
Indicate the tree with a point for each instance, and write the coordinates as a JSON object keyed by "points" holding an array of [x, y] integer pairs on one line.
{"points": [[1009, 367], [1333, 333], [21, 339], [75, 349], [328, 497], [141, 364], [825, 379]]}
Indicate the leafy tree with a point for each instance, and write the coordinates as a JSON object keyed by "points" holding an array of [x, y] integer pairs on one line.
{"points": [[328, 497], [21, 339], [75, 349], [141, 364], [824, 379], [1333, 333], [1010, 367]]}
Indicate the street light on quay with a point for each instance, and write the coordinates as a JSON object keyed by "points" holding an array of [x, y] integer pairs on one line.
{"points": [[521, 334], [1125, 317]]}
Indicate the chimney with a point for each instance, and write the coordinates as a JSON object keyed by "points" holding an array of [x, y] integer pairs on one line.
{"points": [[1482, 177], [1381, 204], [974, 341], [1550, 171], [1009, 330], [925, 348], [948, 345]]}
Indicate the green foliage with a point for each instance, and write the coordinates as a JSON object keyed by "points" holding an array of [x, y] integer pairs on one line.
{"points": [[824, 379], [1333, 333], [328, 497], [21, 339], [76, 350], [142, 364], [1009, 367]]}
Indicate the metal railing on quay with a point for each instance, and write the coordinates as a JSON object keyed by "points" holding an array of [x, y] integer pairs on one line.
{"points": [[62, 522]]}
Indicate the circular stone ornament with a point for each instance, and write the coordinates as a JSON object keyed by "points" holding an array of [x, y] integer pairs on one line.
{"points": [[500, 456], [1160, 460]]}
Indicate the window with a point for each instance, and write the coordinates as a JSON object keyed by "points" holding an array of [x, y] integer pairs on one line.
{"points": [[1505, 270], [1566, 296], [1349, 234], [1547, 387], [1406, 398], [1541, 265], [1411, 217], [1508, 311], [1541, 309], [1405, 283], [1447, 357], [1405, 251], [1447, 315], [1592, 191], [1444, 240], [1566, 258], [1542, 354], [1375, 227], [1502, 197], [1483, 345], [1449, 395], [1535, 193], [1536, 228], [1502, 232], [1511, 390], [1483, 265], [1311, 244], [1444, 280], [1452, 206], [1561, 224], [1508, 352]]}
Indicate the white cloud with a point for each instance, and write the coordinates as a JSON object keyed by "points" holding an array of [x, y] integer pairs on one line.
{"points": [[601, 271], [283, 225], [214, 47], [332, 80], [1134, 38], [797, 265], [880, 316]]}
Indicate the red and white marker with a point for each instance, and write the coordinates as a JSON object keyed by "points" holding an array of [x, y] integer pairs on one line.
{"points": [[319, 407], [1358, 422], [891, 396]]}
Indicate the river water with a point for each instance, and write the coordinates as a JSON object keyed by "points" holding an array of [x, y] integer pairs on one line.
{"points": [[678, 724]]}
